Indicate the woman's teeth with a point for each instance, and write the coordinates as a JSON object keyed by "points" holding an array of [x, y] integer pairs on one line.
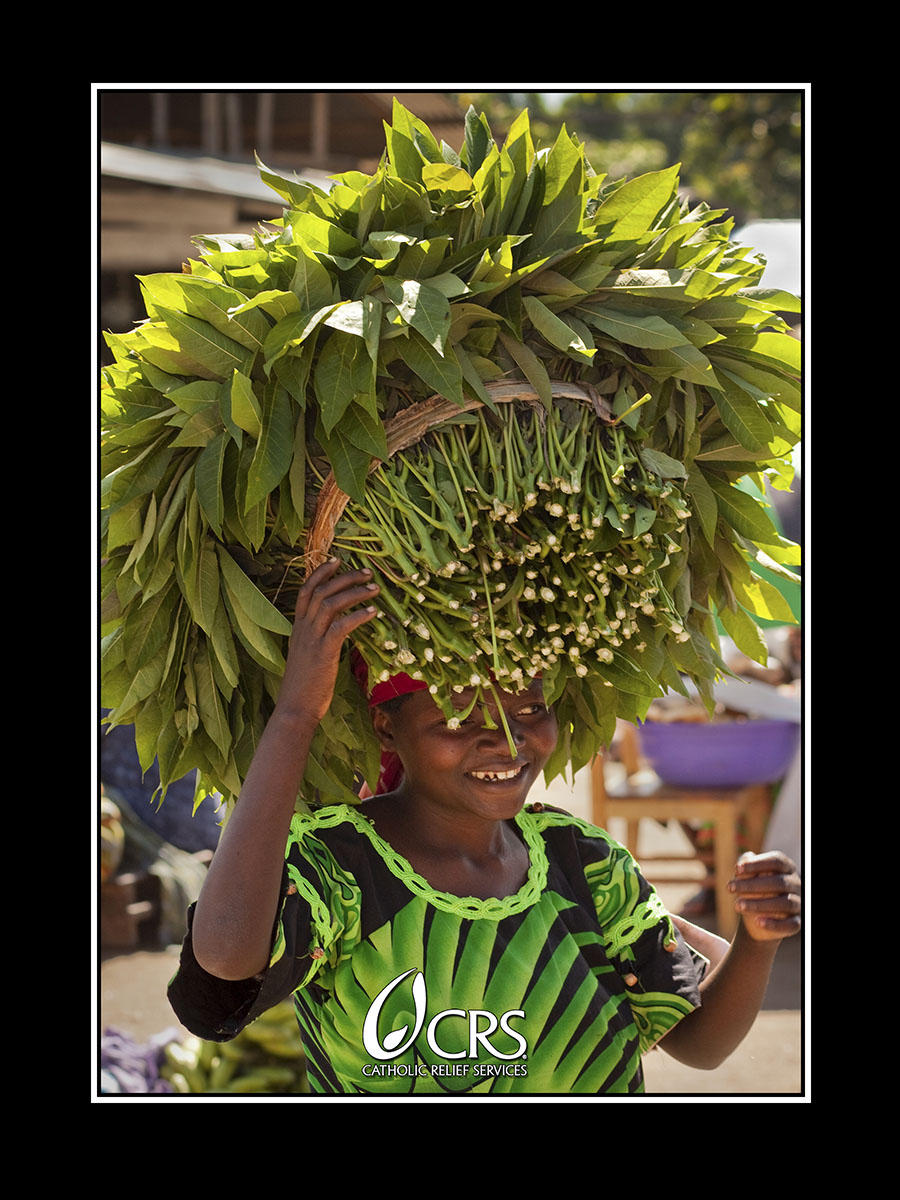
{"points": [[496, 776]]}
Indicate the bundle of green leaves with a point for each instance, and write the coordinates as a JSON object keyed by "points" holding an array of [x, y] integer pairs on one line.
{"points": [[596, 543]]}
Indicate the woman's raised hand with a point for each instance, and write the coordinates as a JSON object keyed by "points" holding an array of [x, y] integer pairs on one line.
{"points": [[328, 610], [767, 892]]}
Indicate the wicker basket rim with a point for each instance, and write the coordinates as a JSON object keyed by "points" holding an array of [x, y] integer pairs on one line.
{"points": [[410, 425]]}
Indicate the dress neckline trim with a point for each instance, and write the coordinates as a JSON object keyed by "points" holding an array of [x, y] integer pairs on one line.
{"points": [[492, 908]]}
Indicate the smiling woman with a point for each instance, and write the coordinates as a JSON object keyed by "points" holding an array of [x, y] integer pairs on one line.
{"points": [[460, 783], [534, 956]]}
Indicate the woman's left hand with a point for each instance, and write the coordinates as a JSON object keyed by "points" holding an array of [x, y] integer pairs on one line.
{"points": [[767, 893]]}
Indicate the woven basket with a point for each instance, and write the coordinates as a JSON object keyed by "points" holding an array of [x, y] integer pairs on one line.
{"points": [[411, 425]]}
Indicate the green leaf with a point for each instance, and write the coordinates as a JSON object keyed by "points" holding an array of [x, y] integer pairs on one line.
{"points": [[558, 224], [744, 514], [632, 208], [763, 599], [246, 412], [293, 330], [405, 159], [453, 183], [779, 349], [321, 236], [650, 332], [745, 633], [149, 528], [478, 140], [294, 191], [555, 330], [219, 354], [208, 477], [662, 464], [423, 307], [350, 464], [195, 396], [421, 259], [384, 245], [362, 425], [205, 596], [312, 284], [275, 302], [472, 377], [442, 374], [249, 597], [142, 683], [209, 703], [147, 630], [703, 503], [199, 428], [765, 560], [274, 448], [125, 524], [741, 415], [682, 362], [224, 308], [342, 371], [774, 299], [530, 366], [758, 382], [348, 316], [628, 677]]}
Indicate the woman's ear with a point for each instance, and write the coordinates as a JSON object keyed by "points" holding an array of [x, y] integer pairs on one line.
{"points": [[384, 728]]}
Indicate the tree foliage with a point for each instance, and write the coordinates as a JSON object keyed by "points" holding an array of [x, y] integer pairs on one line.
{"points": [[740, 150]]}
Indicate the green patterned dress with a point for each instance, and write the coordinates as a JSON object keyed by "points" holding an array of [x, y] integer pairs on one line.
{"points": [[400, 989]]}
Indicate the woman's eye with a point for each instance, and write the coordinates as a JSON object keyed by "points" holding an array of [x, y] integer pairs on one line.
{"points": [[532, 709]]}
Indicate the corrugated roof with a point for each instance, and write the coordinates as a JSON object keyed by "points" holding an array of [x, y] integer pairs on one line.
{"points": [[195, 173]]}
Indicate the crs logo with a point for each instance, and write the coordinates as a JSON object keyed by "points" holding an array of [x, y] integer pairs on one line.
{"points": [[399, 1040]]}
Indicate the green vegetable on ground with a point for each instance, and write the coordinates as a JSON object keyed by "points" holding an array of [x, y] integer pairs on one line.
{"points": [[266, 1057]]}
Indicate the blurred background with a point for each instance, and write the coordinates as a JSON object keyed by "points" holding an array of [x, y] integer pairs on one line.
{"points": [[172, 165]]}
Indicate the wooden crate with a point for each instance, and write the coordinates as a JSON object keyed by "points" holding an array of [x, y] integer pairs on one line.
{"points": [[129, 910]]}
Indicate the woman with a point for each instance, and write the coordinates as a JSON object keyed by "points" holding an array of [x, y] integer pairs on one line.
{"points": [[443, 937]]}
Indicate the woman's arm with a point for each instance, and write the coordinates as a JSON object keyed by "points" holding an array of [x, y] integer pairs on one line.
{"points": [[767, 890], [236, 909]]}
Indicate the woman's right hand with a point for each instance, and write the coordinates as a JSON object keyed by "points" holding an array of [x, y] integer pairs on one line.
{"points": [[327, 612]]}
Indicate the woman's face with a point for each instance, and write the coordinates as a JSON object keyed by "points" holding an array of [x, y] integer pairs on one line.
{"points": [[472, 768]]}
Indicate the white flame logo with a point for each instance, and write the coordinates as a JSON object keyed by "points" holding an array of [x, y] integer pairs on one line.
{"points": [[397, 1041]]}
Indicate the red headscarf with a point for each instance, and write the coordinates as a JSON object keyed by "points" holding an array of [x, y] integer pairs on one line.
{"points": [[397, 685]]}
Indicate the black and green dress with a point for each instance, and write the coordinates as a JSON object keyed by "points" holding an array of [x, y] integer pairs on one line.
{"points": [[400, 989]]}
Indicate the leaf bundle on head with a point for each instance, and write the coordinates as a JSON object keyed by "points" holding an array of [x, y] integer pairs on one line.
{"points": [[590, 530]]}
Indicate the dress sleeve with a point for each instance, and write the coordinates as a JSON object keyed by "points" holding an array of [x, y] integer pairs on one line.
{"points": [[659, 972], [305, 936]]}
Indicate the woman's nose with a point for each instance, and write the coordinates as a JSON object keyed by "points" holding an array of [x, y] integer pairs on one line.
{"points": [[495, 733]]}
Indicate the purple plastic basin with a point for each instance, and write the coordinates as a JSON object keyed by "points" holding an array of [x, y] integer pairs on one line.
{"points": [[729, 754]]}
